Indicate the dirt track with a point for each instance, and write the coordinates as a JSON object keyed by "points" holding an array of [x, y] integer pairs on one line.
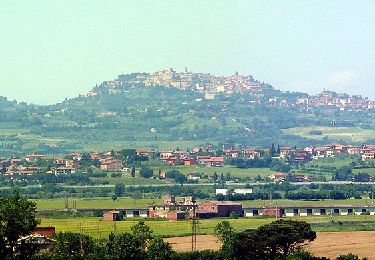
{"points": [[329, 244]]}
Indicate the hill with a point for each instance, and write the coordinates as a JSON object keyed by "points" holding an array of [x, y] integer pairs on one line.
{"points": [[132, 112]]}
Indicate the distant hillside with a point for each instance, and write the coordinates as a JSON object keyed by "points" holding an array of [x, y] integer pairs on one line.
{"points": [[132, 113]]}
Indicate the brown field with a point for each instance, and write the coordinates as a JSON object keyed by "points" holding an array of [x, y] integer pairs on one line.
{"points": [[328, 244]]}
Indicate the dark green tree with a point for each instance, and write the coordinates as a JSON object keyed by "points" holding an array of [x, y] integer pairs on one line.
{"points": [[146, 172], [119, 189], [143, 233], [17, 218], [72, 245], [132, 173], [159, 250]]}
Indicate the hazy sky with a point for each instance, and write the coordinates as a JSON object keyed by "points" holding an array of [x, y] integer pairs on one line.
{"points": [[53, 49]]}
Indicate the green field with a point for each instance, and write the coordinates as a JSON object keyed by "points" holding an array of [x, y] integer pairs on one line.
{"points": [[95, 227], [344, 134], [143, 203], [95, 203], [369, 171], [237, 172]]}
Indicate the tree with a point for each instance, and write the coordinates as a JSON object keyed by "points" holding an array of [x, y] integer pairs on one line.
{"points": [[119, 189], [283, 237], [72, 245], [276, 240], [132, 173], [143, 233], [17, 218], [224, 231], [124, 246], [146, 172], [159, 250]]}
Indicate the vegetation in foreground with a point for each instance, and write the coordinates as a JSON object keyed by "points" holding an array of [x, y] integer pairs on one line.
{"points": [[280, 239]]}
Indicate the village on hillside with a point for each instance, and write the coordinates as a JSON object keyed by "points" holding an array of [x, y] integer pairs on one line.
{"points": [[211, 86]]}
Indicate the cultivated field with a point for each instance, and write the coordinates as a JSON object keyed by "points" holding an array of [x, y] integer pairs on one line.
{"points": [[95, 227], [328, 244]]}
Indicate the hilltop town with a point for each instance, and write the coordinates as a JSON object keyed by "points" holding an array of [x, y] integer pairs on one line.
{"points": [[212, 86]]}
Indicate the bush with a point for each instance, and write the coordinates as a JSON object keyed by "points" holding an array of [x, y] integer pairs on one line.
{"points": [[146, 172]]}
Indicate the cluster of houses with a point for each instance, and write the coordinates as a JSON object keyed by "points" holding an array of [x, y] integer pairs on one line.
{"points": [[199, 155], [336, 100], [205, 83], [67, 164], [211, 85]]}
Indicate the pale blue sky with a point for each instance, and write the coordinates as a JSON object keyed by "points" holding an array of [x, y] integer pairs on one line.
{"points": [[53, 49]]}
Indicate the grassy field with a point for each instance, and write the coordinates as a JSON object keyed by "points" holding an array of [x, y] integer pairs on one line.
{"points": [[95, 227], [369, 171], [237, 172], [344, 134], [143, 203], [95, 203]]}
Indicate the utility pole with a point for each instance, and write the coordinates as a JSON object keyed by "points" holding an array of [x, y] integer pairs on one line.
{"points": [[194, 227]]}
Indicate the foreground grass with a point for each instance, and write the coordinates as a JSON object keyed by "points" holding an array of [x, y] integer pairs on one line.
{"points": [[97, 228]]}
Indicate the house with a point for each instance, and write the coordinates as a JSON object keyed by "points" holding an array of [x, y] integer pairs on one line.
{"points": [[194, 176], [15, 161], [272, 212], [221, 192], [145, 153], [34, 157], [166, 153], [110, 164], [251, 154], [285, 151], [243, 191], [112, 215], [171, 160], [176, 215], [64, 170], [45, 231], [231, 153], [189, 161], [218, 209], [211, 161], [368, 156], [277, 176], [72, 163]]}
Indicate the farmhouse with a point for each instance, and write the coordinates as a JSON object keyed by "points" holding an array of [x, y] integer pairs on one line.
{"points": [[210, 209], [110, 164], [112, 215], [211, 161]]}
